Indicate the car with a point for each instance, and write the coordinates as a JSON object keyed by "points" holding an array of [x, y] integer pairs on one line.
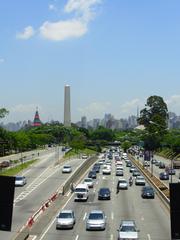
{"points": [[96, 168], [92, 174], [162, 165], [122, 184], [132, 169], [119, 167], [104, 194], [164, 176], [146, 163], [136, 173], [106, 169], [89, 182], [4, 164], [20, 181], [128, 163], [119, 172], [171, 171], [157, 163], [140, 181], [96, 220], [66, 169], [147, 192], [84, 156], [65, 219], [128, 230], [81, 192]]}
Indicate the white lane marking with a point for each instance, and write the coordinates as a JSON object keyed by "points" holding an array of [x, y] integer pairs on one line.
{"points": [[94, 190], [112, 236], [32, 237], [54, 219], [77, 237], [142, 218], [84, 216], [112, 215], [97, 183], [149, 236]]}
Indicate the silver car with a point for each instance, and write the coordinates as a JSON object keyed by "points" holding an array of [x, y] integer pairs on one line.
{"points": [[20, 181], [67, 169], [89, 182], [65, 219], [96, 220], [127, 230]]}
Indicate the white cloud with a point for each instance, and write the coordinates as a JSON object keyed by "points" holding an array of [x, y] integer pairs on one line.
{"points": [[173, 103], [75, 27], [62, 30], [85, 8], [127, 107], [25, 108], [95, 109], [2, 60], [27, 33]]}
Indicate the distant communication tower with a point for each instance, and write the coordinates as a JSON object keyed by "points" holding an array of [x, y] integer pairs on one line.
{"points": [[67, 107], [37, 122]]}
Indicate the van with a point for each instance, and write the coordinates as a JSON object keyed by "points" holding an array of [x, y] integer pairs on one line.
{"points": [[81, 192]]}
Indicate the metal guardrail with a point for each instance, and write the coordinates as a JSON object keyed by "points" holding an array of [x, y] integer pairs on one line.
{"points": [[161, 189]]}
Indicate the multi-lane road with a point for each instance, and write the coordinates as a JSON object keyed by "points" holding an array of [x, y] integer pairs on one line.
{"points": [[43, 179], [151, 217]]}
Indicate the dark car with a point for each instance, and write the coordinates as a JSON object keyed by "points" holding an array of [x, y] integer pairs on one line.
{"points": [[4, 164], [147, 192], [119, 172], [164, 176], [162, 165], [96, 168], [104, 194], [171, 171], [136, 173], [92, 174]]}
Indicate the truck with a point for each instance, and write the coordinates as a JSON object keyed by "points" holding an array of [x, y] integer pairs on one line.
{"points": [[176, 163]]}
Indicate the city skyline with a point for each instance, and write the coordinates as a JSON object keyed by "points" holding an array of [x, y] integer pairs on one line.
{"points": [[69, 42]]}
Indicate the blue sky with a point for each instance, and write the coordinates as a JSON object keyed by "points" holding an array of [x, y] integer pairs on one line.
{"points": [[113, 53]]}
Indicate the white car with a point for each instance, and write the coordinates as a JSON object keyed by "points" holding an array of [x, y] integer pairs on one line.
{"points": [[65, 219], [20, 181], [106, 169], [140, 181], [81, 192], [122, 184], [67, 169], [127, 230], [89, 182]]}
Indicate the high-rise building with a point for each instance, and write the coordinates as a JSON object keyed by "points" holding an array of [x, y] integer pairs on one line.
{"points": [[67, 107], [84, 122], [37, 121]]}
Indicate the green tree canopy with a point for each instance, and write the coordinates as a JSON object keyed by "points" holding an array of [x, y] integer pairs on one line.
{"points": [[3, 112], [154, 117]]}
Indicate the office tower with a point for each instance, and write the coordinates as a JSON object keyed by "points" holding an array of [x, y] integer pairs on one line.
{"points": [[67, 110]]}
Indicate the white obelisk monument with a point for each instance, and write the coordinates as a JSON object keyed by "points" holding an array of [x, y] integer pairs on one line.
{"points": [[67, 106]]}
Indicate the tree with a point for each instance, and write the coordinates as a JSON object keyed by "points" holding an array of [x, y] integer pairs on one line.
{"points": [[3, 112], [154, 117]]}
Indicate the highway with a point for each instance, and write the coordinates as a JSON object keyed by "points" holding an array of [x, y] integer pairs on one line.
{"points": [[156, 170], [151, 217], [43, 179]]}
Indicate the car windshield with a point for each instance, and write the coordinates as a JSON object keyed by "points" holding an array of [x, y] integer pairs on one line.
{"points": [[87, 180], [128, 229], [80, 190], [19, 178], [67, 166], [65, 215], [94, 216], [104, 190], [122, 181]]}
